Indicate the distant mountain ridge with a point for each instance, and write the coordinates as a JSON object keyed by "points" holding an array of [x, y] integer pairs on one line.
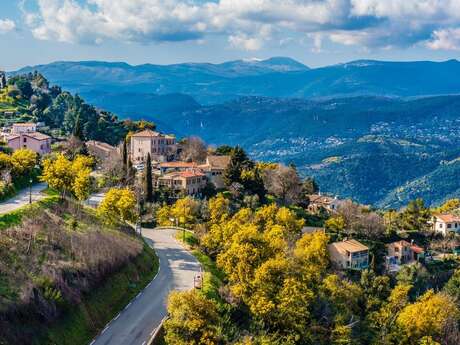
{"points": [[276, 77]]}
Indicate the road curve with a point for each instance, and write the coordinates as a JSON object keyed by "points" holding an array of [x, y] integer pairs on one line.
{"points": [[136, 323]]}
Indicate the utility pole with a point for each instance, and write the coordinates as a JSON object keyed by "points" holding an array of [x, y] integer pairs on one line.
{"points": [[30, 191]]}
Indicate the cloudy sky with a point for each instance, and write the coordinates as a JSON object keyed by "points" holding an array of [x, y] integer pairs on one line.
{"points": [[315, 32]]}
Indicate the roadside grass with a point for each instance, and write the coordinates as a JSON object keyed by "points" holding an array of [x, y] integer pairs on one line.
{"points": [[81, 323], [15, 217]]}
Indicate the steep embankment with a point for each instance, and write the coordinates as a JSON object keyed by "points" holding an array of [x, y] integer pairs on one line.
{"points": [[64, 275]]}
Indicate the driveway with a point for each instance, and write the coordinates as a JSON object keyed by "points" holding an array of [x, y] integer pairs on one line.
{"points": [[137, 322], [22, 198]]}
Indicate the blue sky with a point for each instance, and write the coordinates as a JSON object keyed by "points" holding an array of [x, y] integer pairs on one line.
{"points": [[315, 32]]}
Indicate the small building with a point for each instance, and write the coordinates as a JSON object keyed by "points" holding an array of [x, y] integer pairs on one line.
{"points": [[349, 254], [160, 146], [214, 169], [27, 127], [318, 201], [190, 182], [100, 149], [445, 223], [402, 253], [34, 141]]}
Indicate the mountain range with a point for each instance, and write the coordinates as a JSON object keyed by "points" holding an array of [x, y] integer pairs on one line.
{"points": [[379, 132]]}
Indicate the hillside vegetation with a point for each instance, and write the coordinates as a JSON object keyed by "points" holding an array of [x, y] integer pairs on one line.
{"points": [[64, 274]]}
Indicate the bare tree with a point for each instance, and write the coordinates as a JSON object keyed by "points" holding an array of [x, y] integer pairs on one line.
{"points": [[193, 149], [360, 220], [284, 183]]}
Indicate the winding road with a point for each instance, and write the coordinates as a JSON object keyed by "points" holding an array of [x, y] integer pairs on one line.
{"points": [[137, 322], [22, 198]]}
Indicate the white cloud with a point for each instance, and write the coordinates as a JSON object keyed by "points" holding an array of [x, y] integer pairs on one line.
{"points": [[448, 39], [6, 25], [244, 42], [248, 24]]}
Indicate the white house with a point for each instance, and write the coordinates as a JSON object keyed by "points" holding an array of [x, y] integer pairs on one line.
{"points": [[445, 223]]}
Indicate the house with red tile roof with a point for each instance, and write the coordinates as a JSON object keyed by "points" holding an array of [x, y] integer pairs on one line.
{"points": [[446, 223], [34, 141], [160, 146], [402, 252], [214, 169], [188, 182]]}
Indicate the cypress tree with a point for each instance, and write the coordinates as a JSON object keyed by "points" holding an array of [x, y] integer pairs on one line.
{"points": [[148, 179], [77, 130], [125, 155]]}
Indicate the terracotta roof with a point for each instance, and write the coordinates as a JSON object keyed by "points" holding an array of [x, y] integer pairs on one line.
{"points": [[219, 162], [350, 246], [12, 137], [448, 218], [401, 243], [416, 249], [147, 133], [101, 145], [195, 173], [178, 165], [37, 135]]}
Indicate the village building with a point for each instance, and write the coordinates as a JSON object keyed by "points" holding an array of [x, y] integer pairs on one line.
{"points": [[160, 146], [446, 223], [214, 169], [100, 149], [34, 141], [349, 254], [19, 128], [175, 166], [190, 182], [401, 253], [318, 202]]}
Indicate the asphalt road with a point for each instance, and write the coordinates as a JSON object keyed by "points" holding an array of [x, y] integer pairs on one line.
{"points": [[22, 198], [137, 322]]}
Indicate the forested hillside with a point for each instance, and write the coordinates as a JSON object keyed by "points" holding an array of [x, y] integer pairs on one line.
{"points": [[30, 97]]}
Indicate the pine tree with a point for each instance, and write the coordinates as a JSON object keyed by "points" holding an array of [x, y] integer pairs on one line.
{"points": [[238, 162], [148, 179]]}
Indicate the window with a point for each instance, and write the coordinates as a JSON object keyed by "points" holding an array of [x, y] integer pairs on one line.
{"points": [[25, 140], [449, 226]]}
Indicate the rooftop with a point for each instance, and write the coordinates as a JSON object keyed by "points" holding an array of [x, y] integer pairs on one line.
{"points": [[350, 246], [25, 124], [219, 162], [178, 164], [101, 145], [185, 174], [448, 218], [146, 133], [37, 135]]}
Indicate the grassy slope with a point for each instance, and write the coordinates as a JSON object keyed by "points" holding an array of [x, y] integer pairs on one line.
{"points": [[83, 322], [80, 323], [14, 218]]}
